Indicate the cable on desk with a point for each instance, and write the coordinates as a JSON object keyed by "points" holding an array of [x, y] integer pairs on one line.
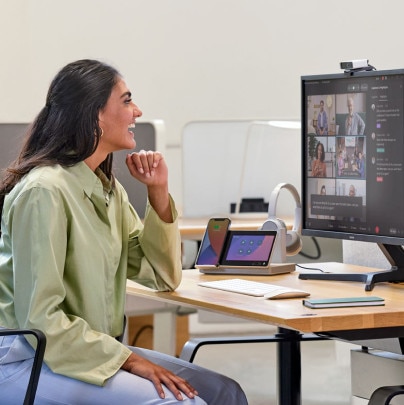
{"points": [[316, 244], [312, 268]]}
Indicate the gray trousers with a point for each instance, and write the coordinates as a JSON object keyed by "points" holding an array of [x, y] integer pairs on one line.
{"points": [[123, 388]]}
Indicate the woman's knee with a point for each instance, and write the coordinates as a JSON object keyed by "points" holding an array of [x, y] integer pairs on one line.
{"points": [[194, 401], [228, 392]]}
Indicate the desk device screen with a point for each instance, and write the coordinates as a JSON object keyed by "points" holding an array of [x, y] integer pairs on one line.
{"points": [[248, 248], [353, 164]]}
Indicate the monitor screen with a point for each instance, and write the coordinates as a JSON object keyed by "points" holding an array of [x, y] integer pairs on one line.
{"points": [[353, 156]]}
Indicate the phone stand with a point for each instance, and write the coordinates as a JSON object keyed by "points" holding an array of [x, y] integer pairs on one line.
{"points": [[279, 252]]}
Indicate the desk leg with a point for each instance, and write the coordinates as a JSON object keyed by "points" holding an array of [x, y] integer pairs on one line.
{"points": [[165, 332], [289, 367]]}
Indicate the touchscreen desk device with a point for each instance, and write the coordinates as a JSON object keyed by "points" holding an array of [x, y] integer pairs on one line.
{"points": [[246, 252]]}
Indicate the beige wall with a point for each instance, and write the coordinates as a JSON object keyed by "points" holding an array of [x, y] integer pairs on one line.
{"points": [[189, 59]]}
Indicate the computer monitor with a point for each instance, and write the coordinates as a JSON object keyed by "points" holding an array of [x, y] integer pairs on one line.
{"points": [[352, 164]]}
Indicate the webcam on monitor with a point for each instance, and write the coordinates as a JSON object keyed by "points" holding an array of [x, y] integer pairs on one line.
{"points": [[356, 65]]}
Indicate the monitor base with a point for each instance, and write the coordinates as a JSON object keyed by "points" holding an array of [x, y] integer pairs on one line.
{"points": [[394, 254], [395, 275]]}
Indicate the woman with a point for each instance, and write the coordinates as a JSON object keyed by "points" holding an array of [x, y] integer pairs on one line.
{"points": [[70, 239], [318, 168]]}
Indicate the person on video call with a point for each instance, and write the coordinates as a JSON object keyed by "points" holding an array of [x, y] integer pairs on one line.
{"points": [[352, 191], [322, 121], [340, 163], [70, 239], [360, 165], [354, 124], [318, 167]]}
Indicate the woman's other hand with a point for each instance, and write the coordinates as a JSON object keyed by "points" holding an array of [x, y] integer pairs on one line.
{"points": [[159, 376]]}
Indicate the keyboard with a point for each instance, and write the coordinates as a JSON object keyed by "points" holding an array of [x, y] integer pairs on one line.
{"points": [[254, 288]]}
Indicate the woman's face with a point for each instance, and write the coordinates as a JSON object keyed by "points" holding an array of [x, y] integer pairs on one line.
{"points": [[116, 119]]}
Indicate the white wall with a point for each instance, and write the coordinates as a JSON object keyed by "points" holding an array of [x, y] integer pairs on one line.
{"points": [[192, 60]]}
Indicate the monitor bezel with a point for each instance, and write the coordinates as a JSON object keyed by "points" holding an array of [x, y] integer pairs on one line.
{"points": [[336, 234]]}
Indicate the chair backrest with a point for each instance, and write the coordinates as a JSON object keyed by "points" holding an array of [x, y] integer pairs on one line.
{"points": [[38, 359]]}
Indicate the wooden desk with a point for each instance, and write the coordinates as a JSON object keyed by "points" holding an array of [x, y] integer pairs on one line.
{"points": [[290, 314], [164, 314]]}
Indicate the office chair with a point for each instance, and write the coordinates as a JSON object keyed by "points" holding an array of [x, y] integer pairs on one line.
{"points": [[383, 395], [38, 359], [192, 346], [122, 335]]}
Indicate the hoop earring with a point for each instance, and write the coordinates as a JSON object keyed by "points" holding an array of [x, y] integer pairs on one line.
{"points": [[96, 132]]}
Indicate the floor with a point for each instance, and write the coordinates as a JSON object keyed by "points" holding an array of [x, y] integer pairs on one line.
{"points": [[325, 370]]}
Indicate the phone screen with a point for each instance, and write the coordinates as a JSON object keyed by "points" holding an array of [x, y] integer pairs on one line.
{"points": [[213, 241]]}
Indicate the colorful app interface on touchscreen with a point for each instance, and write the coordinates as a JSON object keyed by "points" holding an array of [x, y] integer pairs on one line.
{"points": [[212, 244], [250, 248]]}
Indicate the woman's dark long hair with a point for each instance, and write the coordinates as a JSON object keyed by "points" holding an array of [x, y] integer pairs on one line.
{"points": [[66, 131]]}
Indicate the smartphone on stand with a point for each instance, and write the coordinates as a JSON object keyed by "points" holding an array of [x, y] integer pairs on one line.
{"points": [[212, 242]]}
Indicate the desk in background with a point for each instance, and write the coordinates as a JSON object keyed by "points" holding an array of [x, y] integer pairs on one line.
{"points": [[194, 228], [351, 324]]}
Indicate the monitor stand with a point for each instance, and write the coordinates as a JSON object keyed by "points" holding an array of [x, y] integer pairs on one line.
{"points": [[393, 253]]}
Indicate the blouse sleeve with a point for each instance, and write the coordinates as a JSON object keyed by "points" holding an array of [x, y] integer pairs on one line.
{"points": [[154, 250]]}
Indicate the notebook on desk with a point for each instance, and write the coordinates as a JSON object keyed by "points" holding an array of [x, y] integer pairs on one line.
{"points": [[247, 252]]}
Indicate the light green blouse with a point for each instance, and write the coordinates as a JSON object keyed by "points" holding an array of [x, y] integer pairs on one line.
{"points": [[69, 242]]}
